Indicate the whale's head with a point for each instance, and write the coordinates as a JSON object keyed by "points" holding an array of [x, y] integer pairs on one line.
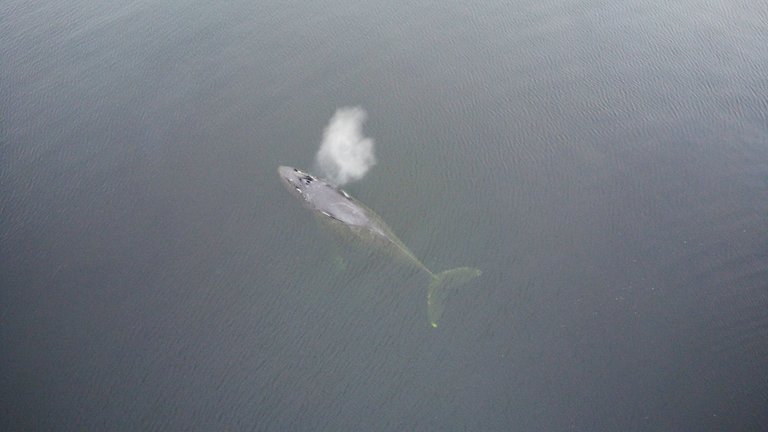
{"points": [[297, 181]]}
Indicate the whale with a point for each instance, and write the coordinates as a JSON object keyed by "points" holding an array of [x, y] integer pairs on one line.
{"points": [[352, 220]]}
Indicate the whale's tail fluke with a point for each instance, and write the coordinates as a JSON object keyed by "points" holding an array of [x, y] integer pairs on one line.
{"points": [[442, 284]]}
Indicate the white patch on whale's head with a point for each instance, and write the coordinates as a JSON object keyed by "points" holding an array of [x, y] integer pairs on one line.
{"points": [[296, 180]]}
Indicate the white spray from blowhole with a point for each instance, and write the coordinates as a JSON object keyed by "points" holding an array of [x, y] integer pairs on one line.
{"points": [[345, 154]]}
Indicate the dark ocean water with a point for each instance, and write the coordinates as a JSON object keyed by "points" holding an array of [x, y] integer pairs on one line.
{"points": [[605, 164]]}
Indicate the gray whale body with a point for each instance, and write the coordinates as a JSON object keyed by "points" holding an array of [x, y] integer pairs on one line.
{"points": [[352, 220]]}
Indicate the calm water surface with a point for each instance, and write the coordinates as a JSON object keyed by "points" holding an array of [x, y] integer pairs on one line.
{"points": [[604, 163]]}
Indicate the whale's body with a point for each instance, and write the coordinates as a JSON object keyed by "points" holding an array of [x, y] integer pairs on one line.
{"points": [[352, 219]]}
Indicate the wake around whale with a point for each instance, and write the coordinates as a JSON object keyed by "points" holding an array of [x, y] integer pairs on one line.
{"points": [[353, 220]]}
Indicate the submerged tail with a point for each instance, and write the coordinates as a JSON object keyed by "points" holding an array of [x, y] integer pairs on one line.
{"points": [[442, 283]]}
